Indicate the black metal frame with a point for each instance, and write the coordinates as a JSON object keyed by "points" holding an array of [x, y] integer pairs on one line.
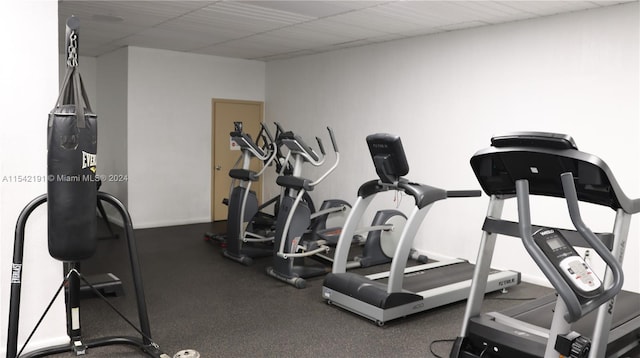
{"points": [[73, 294]]}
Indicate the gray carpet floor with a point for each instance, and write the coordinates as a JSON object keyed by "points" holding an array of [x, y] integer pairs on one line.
{"points": [[199, 300]]}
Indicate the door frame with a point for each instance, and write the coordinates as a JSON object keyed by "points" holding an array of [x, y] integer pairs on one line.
{"points": [[213, 154]]}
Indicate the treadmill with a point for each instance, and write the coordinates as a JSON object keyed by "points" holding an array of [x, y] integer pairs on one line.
{"points": [[588, 316], [402, 290]]}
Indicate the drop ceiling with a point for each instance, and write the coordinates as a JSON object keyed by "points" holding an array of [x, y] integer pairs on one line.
{"points": [[271, 30]]}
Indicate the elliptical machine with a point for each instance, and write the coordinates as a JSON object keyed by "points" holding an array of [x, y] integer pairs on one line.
{"points": [[243, 203], [294, 241], [249, 230]]}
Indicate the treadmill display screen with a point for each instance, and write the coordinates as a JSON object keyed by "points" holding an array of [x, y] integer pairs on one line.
{"points": [[554, 243]]}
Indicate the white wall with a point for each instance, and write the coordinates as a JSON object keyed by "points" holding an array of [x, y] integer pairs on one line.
{"points": [[111, 75], [447, 94], [169, 129], [31, 87]]}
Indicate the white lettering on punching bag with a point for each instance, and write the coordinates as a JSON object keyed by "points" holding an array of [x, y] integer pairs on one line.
{"points": [[89, 161]]}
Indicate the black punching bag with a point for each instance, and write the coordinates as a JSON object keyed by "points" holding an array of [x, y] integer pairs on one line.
{"points": [[71, 164]]}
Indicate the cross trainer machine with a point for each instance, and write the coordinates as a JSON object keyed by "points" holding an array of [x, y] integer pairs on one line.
{"points": [[243, 203], [590, 316], [298, 237], [402, 290], [250, 230]]}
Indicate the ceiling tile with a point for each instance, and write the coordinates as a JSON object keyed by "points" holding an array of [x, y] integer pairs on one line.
{"points": [[236, 51], [300, 38], [271, 29], [462, 25], [247, 11], [330, 26], [371, 19], [168, 40], [545, 8], [492, 11], [254, 46], [138, 13], [315, 9], [198, 25], [338, 46], [608, 2], [285, 55]]}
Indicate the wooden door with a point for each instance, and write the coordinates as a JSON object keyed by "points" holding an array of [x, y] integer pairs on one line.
{"points": [[224, 113]]}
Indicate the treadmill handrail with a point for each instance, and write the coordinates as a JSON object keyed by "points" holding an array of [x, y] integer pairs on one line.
{"points": [[524, 219], [604, 253], [575, 309]]}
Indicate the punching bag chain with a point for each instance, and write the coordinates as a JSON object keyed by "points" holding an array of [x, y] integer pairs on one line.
{"points": [[72, 60]]}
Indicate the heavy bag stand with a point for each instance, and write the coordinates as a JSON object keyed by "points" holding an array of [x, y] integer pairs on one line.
{"points": [[71, 259], [72, 280]]}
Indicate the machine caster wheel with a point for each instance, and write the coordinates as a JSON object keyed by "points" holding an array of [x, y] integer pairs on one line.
{"points": [[379, 323], [299, 283]]}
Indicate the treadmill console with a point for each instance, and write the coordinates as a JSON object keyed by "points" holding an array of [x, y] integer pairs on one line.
{"points": [[534, 139], [566, 260], [388, 157]]}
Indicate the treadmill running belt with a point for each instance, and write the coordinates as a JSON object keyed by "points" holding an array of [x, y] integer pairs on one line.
{"points": [[627, 307], [429, 279]]}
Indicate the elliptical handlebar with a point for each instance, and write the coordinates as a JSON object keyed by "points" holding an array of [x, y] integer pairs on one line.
{"points": [[246, 143], [301, 152], [320, 146], [283, 166], [333, 139], [335, 164], [300, 149], [265, 129], [267, 153], [270, 143], [279, 129], [298, 146]]}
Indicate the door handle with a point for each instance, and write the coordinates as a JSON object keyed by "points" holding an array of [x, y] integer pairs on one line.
{"points": [[218, 167]]}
